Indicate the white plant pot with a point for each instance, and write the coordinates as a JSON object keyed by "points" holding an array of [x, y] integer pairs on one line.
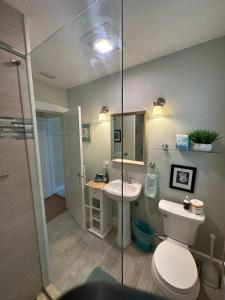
{"points": [[202, 147]]}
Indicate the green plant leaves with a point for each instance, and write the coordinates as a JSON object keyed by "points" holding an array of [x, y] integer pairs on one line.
{"points": [[203, 136]]}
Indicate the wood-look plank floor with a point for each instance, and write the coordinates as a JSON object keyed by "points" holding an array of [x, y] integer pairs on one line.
{"points": [[74, 255]]}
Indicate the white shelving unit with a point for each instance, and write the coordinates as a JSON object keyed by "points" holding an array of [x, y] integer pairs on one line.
{"points": [[100, 207]]}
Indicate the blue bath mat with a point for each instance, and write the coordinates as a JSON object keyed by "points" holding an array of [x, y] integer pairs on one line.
{"points": [[99, 275]]}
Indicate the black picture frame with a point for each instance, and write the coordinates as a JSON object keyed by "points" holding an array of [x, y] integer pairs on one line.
{"points": [[117, 136], [183, 178]]}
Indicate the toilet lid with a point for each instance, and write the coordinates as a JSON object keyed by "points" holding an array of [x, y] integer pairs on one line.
{"points": [[175, 265]]}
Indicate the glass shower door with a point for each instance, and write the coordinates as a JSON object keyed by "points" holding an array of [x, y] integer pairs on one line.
{"points": [[81, 65]]}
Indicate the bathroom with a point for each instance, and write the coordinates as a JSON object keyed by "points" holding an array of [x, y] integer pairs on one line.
{"points": [[84, 106]]}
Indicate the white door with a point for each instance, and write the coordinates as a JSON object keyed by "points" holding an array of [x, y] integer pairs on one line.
{"points": [[74, 172]]}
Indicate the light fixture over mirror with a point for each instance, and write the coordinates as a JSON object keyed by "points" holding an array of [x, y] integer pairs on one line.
{"points": [[158, 107], [103, 114]]}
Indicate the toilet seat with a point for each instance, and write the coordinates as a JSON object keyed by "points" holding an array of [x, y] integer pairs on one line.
{"points": [[175, 268]]}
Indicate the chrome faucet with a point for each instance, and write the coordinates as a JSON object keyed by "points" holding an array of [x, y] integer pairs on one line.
{"points": [[126, 178]]}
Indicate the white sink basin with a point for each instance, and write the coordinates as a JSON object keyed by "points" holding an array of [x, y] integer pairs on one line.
{"points": [[131, 192]]}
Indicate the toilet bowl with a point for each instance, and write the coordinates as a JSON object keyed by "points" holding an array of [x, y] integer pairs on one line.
{"points": [[173, 266], [175, 272]]}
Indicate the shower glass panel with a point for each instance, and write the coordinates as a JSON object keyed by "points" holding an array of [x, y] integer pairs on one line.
{"points": [[76, 72]]}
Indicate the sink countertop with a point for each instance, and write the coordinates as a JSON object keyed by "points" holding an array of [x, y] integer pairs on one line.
{"points": [[96, 185]]}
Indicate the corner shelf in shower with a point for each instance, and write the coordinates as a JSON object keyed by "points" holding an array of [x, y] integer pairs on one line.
{"points": [[175, 149]]}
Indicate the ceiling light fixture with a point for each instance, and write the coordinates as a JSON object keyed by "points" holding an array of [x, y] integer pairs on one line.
{"points": [[103, 46], [103, 114], [158, 107]]}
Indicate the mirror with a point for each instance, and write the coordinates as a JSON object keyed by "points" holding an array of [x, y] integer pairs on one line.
{"points": [[132, 136]]}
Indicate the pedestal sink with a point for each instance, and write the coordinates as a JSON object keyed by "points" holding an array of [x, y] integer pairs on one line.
{"points": [[131, 191]]}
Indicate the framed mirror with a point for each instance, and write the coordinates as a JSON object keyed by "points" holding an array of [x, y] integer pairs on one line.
{"points": [[132, 136]]}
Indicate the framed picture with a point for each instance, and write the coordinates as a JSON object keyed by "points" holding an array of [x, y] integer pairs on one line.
{"points": [[182, 142], [117, 135], [86, 132], [183, 178]]}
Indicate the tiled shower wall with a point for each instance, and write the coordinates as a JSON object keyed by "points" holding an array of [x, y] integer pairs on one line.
{"points": [[20, 275]]}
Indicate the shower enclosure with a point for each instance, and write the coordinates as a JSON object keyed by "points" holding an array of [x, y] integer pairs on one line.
{"points": [[87, 49]]}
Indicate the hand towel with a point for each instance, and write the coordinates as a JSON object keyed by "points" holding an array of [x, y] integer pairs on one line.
{"points": [[151, 185]]}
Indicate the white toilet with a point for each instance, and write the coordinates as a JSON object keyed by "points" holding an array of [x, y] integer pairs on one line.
{"points": [[173, 266]]}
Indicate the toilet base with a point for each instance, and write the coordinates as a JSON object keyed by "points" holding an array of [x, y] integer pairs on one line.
{"points": [[171, 294]]}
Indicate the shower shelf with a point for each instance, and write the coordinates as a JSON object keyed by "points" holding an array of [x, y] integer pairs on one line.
{"points": [[174, 149]]}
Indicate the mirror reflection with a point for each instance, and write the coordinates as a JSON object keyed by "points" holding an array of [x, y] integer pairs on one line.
{"points": [[131, 133]]}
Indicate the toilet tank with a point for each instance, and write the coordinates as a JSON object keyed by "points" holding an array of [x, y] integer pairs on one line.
{"points": [[179, 224]]}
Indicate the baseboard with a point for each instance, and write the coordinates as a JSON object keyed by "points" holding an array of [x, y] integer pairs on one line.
{"points": [[42, 296], [52, 292]]}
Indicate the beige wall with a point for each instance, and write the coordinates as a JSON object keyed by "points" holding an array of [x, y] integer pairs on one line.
{"points": [[92, 97], [49, 93], [192, 82], [20, 274]]}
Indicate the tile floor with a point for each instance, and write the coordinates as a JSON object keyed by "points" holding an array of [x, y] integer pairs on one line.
{"points": [[74, 254]]}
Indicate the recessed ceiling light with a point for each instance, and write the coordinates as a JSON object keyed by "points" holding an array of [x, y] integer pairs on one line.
{"points": [[103, 46]]}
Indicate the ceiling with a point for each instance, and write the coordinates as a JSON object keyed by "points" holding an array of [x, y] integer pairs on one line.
{"points": [[152, 29], [47, 16]]}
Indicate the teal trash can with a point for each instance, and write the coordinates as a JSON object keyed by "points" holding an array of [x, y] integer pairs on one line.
{"points": [[143, 235]]}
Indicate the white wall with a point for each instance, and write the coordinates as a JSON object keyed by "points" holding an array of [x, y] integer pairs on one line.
{"points": [[49, 93], [192, 82]]}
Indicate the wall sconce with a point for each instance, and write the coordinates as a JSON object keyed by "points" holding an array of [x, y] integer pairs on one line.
{"points": [[104, 114], [158, 107]]}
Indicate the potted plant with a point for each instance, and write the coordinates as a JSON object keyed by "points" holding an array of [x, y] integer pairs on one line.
{"points": [[202, 139]]}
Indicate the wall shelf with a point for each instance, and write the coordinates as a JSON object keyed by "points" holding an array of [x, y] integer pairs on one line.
{"points": [[175, 149]]}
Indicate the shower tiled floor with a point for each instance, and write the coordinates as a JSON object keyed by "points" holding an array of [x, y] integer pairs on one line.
{"points": [[74, 255]]}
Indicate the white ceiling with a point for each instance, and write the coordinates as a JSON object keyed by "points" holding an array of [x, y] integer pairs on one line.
{"points": [[47, 16], [152, 28]]}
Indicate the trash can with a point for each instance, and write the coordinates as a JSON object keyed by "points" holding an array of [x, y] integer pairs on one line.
{"points": [[143, 235]]}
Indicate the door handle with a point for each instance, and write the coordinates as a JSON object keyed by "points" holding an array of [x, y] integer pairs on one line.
{"points": [[79, 175]]}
